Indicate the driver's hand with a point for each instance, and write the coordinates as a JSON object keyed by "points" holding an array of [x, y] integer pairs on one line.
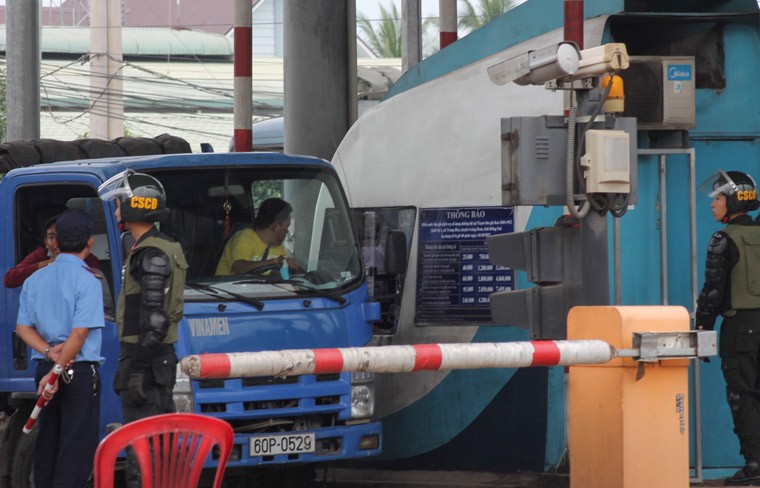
{"points": [[293, 263]]}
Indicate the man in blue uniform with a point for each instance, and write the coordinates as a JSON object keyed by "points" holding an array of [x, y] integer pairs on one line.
{"points": [[732, 289], [60, 317]]}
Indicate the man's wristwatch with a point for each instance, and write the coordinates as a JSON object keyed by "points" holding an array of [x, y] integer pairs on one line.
{"points": [[47, 353]]}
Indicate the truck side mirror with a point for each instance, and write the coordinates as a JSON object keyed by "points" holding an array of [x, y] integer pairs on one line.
{"points": [[395, 252]]}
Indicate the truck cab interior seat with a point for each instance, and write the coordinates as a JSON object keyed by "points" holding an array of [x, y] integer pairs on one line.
{"points": [[199, 234]]}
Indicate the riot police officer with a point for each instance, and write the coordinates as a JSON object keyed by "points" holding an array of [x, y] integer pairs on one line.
{"points": [[732, 289], [150, 304]]}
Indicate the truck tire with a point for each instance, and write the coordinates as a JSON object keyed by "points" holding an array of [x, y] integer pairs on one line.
{"points": [[23, 460], [10, 438], [23, 463]]}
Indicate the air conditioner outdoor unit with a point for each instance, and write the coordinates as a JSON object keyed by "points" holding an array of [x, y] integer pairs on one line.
{"points": [[659, 92]]}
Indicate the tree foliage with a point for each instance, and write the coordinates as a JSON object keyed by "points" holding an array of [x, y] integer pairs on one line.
{"points": [[473, 16], [383, 35]]}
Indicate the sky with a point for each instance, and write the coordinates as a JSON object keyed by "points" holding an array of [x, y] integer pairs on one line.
{"points": [[370, 8]]}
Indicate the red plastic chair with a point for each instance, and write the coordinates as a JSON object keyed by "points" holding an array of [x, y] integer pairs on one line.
{"points": [[170, 449]]}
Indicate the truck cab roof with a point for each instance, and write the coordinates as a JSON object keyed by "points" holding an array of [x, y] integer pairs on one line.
{"points": [[107, 167]]}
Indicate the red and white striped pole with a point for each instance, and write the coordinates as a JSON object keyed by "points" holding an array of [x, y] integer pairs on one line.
{"points": [[574, 19], [397, 359], [41, 402], [243, 69], [447, 11]]}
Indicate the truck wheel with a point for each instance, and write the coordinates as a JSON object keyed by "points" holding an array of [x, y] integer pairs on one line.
{"points": [[23, 460], [10, 438]]}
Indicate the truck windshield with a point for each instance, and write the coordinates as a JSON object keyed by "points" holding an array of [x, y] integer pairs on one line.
{"points": [[261, 232]]}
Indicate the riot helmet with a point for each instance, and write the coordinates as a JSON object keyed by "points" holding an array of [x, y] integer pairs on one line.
{"points": [[738, 187], [142, 196]]}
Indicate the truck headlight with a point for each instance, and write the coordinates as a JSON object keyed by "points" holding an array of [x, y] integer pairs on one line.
{"points": [[183, 393], [362, 395]]}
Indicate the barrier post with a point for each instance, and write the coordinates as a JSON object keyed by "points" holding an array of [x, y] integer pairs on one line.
{"points": [[627, 430]]}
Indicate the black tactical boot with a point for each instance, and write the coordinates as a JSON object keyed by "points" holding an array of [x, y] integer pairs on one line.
{"points": [[747, 476]]}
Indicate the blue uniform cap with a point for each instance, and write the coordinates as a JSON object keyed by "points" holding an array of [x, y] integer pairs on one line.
{"points": [[74, 225]]}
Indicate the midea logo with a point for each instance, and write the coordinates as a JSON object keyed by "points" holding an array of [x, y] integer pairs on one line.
{"points": [[679, 72]]}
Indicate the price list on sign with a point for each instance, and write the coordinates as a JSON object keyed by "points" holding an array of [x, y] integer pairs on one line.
{"points": [[455, 277]]}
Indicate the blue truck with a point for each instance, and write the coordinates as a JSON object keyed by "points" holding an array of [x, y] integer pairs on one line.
{"points": [[326, 304]]}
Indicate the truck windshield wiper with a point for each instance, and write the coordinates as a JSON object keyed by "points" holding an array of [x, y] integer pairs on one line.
{"points": [[320, 293], [216, 292], [303, 288], [253, 281]]}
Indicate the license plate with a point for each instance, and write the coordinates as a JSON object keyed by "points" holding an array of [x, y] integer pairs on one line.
{"points": [[269, 445]]}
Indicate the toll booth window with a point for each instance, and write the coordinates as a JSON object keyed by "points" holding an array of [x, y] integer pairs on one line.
{"points": [[385, 236]]}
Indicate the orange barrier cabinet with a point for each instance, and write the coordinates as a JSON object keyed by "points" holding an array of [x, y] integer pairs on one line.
{"points": [[624, 432]]}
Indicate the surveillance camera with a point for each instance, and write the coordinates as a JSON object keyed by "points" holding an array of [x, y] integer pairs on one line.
{"points": [[537, 67], [599, 60]]}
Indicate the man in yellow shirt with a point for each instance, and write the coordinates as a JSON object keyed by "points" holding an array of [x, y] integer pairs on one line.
{"points": [[249, 249]]}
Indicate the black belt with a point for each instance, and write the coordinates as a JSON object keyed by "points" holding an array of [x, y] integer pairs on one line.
{"points": [[86, 363]]}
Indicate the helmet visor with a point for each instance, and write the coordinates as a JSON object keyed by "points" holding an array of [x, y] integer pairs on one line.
{"points": [[718, 183], [116, 186]]}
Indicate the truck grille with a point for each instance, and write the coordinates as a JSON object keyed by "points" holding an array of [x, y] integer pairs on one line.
{"points": [[263, 403]]}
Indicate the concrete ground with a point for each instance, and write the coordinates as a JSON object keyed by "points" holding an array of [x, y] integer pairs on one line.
{"points": [[716, 483], [346, 478]]}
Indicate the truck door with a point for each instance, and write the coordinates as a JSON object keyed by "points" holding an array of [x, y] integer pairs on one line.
{"points": [[380, 229], [30, 204]]}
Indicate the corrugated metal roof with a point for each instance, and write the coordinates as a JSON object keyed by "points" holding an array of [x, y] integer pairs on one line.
{"points": [[136, 41]]}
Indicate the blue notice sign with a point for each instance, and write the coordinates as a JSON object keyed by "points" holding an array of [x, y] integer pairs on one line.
{"points": [[455, 277]]}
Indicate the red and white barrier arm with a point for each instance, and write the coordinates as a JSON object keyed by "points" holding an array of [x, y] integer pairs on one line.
{"points": [[41, 402], [397, 359]]}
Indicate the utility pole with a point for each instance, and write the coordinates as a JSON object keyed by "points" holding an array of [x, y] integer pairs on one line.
{"points": [[23, 69], [316, 64], [411, 34], [106, 92]]}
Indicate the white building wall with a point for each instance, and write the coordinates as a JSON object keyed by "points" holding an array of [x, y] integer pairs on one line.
{"points": [[267, 28]]}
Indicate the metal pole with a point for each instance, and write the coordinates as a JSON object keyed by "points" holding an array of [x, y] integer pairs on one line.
{"points": [[618, 276], [23, 70], [574, 18], [447, 11], [243, 69], [694, 290], [595, 263], [691, 153], [411, 34], [315, 67], [693, 224], [353, 90], [663, 231]]}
